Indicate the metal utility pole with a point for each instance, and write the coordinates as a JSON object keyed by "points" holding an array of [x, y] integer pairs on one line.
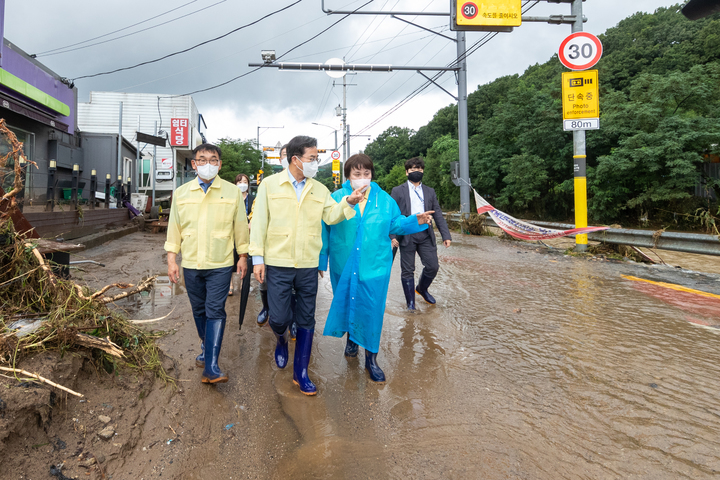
{"points": [[579, 155], [154, 166], [119, 152], [463, 126], [346, 139]]}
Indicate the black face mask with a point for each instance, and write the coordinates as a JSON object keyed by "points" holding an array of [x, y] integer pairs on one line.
{"points": [[415, 177]]}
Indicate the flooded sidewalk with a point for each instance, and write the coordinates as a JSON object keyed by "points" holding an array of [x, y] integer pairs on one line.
{"points": [[532, 365]]}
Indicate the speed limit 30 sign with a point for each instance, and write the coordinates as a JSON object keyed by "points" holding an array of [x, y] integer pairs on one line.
{"points": [[335, 155], [580, 51]]}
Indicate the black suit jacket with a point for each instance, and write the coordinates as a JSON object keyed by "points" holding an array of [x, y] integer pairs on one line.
{"points": [[401, 194]]}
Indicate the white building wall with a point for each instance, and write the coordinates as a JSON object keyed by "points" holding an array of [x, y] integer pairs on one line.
{"points": [[140, 112]]}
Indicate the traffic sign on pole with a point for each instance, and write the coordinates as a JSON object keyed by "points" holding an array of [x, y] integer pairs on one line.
{"points": [[581, 95], [486, 15], [581, 124], [336, 166], [580, 51], [335, 155]]}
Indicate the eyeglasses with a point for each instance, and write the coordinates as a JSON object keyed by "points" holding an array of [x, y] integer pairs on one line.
{"points": [[312, 159], [202, 161]]}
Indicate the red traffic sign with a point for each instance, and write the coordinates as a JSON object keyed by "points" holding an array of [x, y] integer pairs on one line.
{"points": [[335, 155], [469, 10], [580, 51]]}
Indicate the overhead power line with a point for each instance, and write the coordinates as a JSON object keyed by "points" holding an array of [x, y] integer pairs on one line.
{"points": [[136, 32], [113, 32], [278, 58], [194, 46]]}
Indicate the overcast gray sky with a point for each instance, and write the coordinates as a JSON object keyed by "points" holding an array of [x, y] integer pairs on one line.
{"points": [[271, 97]]}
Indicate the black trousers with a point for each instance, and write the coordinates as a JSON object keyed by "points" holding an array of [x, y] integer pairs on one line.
{"points": [[280, 283], [422, 244]]}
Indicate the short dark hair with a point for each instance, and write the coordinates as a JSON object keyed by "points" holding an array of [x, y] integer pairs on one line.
{"points": [[208, 147], [415, 162], [359, 161], [297, 146], [240, 176]]}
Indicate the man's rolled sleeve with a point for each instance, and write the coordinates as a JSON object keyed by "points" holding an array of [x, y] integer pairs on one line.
{"points": [[242, 234], [260, 223], [335, 212], [174, 236]]}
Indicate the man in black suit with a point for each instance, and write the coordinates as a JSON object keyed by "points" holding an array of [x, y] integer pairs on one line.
{"points": [[414, 197]]}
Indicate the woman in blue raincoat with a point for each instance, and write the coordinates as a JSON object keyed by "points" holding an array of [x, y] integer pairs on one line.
{"points": [[360, 258]]}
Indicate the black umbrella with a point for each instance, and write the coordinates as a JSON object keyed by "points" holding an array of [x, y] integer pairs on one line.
{"points": [[245, 290]]}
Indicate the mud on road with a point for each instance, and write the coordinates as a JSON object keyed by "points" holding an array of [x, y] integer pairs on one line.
{"points": [[533, 365]]}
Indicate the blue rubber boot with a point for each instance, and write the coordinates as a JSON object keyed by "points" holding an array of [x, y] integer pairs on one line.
{"points": [[303, 348], [422, 289], [214, 330], [264, 314], [281, 350], [409, 289], [293, 325], [351, 348], [376, 373], [200, 359]]}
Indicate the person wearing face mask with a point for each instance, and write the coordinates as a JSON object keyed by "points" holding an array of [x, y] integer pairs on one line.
{"points": [[243, 183], [360, 258], [415, 197], [285, 244], [208, 222]]}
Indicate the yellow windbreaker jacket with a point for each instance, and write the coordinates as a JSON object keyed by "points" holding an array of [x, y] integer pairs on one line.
{"points": [[207, 226], [288, 233]]}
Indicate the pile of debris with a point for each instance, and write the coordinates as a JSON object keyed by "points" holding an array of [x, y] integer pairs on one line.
{"points": [[41, 310]]}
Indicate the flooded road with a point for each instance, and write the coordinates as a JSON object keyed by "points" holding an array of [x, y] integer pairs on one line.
{"points": [[532, 365]]}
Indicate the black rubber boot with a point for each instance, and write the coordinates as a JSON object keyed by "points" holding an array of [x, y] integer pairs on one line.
{"points": [[281, 350], [376, 373], [409, 289], [422, 289], [264, 314], [351, 348], [214, 330]]}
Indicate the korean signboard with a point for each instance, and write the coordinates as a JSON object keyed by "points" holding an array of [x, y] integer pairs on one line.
{"points": [[179, 132], [580, 91]]}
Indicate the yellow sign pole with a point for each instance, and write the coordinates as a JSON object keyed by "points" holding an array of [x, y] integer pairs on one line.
{"points": [[580, 203]]}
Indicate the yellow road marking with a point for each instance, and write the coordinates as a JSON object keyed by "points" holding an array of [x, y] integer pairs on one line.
{"points": [[672, 286]]}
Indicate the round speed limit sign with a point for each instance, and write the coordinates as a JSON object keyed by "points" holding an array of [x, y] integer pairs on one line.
{"points": [[469, 10], [580, 51], [335, 155]]}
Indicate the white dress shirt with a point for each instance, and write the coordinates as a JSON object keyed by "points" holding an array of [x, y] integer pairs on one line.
{"points": [[417, 199]]}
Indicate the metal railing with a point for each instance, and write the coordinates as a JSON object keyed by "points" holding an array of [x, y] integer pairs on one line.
{"points": [[679, 242]]}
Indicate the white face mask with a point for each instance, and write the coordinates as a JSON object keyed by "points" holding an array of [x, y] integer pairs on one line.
{"points": [[284, 162], [243, 187], [363, 182], [309, 169], [207, 171]]}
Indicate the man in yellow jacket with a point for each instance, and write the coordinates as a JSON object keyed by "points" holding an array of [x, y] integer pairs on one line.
{"points": [[285, 244], [207, 223]]}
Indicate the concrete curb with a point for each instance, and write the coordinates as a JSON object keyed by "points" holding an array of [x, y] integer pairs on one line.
{"points": [[98, 239]]}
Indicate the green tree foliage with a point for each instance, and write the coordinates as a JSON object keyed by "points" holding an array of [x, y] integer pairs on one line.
{"points": [[660, 115], [395, 177], [239, 156]]}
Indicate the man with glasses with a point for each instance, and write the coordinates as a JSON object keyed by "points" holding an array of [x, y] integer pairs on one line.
{"points": [[285, 244], [207, 224]]}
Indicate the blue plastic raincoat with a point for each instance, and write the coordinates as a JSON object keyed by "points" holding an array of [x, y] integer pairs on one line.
{"points": [[360, 257]]}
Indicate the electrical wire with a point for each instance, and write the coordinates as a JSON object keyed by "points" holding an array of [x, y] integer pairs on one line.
{"points": [[277, 58], [139, 31], [113, 32], [368, 27], [194, 46], [475, 47]]}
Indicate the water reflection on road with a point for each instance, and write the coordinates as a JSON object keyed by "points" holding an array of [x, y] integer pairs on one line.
{"points": [[531, 365]]}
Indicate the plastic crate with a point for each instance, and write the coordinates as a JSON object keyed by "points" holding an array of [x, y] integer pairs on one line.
{"points": [[67, 193]]}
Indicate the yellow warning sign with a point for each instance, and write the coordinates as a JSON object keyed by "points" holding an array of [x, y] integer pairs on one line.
{"points": [[488, 13], [336, 166], [581, 95]]}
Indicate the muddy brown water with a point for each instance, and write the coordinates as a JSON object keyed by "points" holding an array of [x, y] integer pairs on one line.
{"points": [[532, 365]]}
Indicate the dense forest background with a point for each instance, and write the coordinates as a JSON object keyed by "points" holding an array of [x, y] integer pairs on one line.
{"points": [[660, 122]]}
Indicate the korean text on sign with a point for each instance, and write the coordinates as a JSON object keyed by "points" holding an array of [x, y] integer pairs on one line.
{"points": [[580, 92], [179, 132]]}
